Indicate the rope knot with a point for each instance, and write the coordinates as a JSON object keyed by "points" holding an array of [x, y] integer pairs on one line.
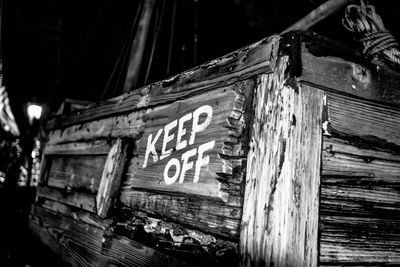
{"points": [[368, 25]]}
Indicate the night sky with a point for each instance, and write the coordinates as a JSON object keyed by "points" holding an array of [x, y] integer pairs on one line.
{"points": [[56, 49]]}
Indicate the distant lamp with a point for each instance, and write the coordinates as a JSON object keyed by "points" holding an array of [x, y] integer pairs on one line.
{"points": [[34, 112]]}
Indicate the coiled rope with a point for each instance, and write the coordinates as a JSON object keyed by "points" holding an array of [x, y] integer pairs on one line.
{"points": [[368, 26]]}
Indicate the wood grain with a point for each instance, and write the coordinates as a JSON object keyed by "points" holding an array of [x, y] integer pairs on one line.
{"points": [[84, 245], [82, 172], [77, 214], [128, 125], [356, 146], [242, 64], [358, 240], [360, 202], [280, 215], [82, 200], [97, 147], [367, 120], [111, 177]]}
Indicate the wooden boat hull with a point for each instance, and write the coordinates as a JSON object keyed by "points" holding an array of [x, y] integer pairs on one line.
{"points": [[283, 153]]}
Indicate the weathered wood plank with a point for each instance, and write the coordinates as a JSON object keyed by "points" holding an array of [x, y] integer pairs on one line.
{"points": [[360, 202], [240, 65], [98, 147], [205, 139], [358, 231], [209, 216], [359, 240], [129, 125], [74, 213], [82, 172], [83, 245], [332, 67], [111, 178], [362, 148], [364, 119], [280, 216], [78, 199], [357, 167]]}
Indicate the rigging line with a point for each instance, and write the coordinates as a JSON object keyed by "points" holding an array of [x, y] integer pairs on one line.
{"points": [[158, 21], [171, 40], [122, 55]]}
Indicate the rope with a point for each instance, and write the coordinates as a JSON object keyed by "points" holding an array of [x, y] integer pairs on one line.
{"points": [[368, 25]]}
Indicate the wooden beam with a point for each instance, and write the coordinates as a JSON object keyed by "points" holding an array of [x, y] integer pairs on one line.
{"points": [[138, 45], [280, 214], [320, 13]]}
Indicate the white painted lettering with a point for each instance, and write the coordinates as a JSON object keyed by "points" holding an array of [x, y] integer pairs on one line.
{"points": [[151, 148], [176, 163], [177, 169], [167, 138], [186, 165], [181, 132], [202, 161], [200, 127]]}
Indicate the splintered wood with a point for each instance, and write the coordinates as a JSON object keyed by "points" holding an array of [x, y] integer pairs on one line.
{"points": [[84, 245], [280, 215]]}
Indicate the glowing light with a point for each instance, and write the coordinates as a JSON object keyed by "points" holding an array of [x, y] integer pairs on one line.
{"points": [[34, 111]]}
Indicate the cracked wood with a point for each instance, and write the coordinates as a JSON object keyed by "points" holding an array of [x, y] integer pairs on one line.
{"points": [[280, 216]]}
